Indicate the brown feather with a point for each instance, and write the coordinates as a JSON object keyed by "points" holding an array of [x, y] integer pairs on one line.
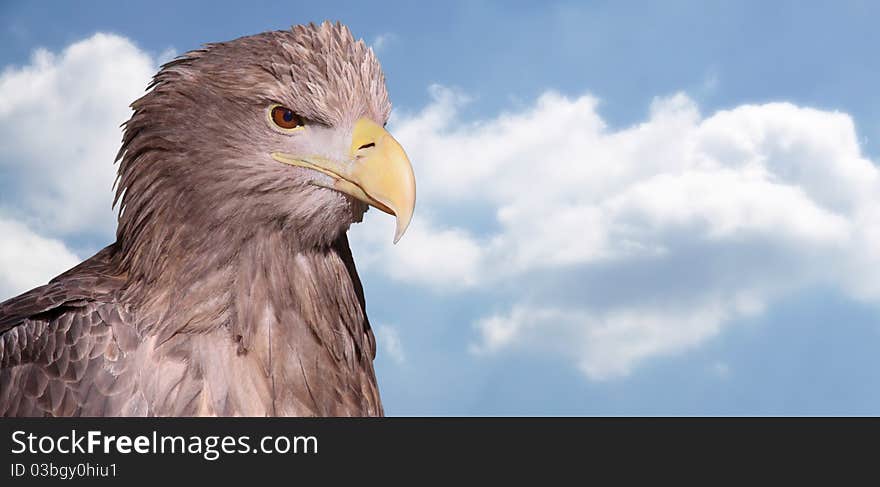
{"points": [[231, 288]]}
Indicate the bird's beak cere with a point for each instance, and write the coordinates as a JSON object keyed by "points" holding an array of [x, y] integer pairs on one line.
{"points": [[377, 172]]}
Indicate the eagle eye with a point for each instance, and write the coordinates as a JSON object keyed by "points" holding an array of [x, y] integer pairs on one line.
{"points": [[284, 118]]}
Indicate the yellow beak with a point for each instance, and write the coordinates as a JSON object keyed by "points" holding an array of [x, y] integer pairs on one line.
{"points": [[379, 173]]}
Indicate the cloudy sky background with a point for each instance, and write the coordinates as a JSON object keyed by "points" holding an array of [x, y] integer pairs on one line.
{"points": [[623, 209]]}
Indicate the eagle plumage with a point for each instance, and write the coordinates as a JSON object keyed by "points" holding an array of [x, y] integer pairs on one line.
{"points": [[231, 287]]}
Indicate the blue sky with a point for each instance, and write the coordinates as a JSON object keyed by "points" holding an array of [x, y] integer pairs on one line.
{"points": [[758, 295]]}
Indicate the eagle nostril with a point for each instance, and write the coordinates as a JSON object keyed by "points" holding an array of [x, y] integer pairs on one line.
{"points": [[367, 146]]}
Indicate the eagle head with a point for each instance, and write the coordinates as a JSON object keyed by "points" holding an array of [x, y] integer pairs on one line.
{"points": [[282, 128]]}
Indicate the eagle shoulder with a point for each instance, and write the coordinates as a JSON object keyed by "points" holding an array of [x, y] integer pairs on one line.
{"points": [[62, 348]]}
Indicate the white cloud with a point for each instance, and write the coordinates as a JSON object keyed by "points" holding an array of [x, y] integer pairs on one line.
{"points": [[28, 260], [388, 339], [617, 246], [603, 344], [60, 119], [430, 255], [165, 56], [382, 40]]}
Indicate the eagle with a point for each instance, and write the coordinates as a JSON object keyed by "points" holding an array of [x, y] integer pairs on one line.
{"points": [[230, 289]]}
